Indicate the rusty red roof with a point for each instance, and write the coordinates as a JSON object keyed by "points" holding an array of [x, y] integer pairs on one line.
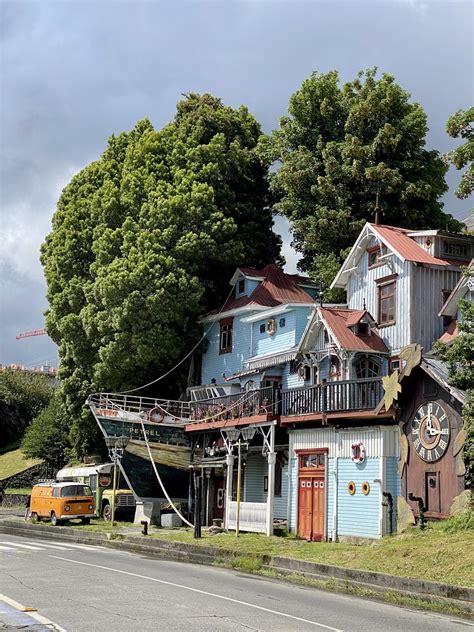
{"points": [[339, 321], [277, 288], [450, 334], [398, 239]]}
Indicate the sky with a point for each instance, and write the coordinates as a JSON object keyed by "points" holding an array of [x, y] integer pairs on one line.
{"points": [[73, 73]]}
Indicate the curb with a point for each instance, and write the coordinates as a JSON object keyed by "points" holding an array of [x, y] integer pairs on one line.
{"points": [[459, 596]]}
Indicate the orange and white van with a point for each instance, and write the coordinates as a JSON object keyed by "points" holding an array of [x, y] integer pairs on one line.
{"points": [[60, 502]]}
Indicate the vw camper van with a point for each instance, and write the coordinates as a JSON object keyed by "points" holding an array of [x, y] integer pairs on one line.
{"points": [[60, 502]]}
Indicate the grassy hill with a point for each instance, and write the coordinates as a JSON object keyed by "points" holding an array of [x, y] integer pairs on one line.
{"points": [[14, 462]]}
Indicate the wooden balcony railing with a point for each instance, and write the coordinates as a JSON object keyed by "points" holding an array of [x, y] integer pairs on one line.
{"points": [[341, 396]]}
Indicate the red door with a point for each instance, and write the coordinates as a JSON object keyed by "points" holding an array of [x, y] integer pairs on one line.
{"points": [[311, 495]]}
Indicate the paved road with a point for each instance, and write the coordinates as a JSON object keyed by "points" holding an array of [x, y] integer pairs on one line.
{"points": [[85, 588]]}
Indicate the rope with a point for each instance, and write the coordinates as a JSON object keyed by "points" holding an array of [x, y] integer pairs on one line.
{"points": [[205, 334], [221, 412]]}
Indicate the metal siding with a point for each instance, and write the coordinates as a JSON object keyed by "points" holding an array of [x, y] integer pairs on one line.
{"points": [[378, 441], [255, 470], [280, 503], [429, 284], [359, 515]]}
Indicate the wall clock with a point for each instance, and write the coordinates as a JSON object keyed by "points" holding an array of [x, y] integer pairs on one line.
{"points": [[430, 431]]}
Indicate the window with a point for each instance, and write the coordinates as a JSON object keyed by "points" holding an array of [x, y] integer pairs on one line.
{"points": [[293, 367], [387, 303], [225, 341], [363, 328], [314, 460], [263, 328], [241, 286], [334, 368], [282, 322], [326, 337], [374, 256], [446, 319], [453, 249], [395, 365], [366, 368]]}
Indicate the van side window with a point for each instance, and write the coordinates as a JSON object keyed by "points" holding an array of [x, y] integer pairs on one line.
{"points": [[56, 492]]}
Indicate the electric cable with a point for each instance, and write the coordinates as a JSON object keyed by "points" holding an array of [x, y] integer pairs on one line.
{"points": [[205, 334]]}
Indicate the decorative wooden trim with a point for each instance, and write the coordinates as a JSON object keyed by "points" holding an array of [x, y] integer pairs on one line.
{"points": [[312, 451], [386, 279]]}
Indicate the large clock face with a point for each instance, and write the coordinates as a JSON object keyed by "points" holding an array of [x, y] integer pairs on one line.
{"points": [[430, 431]]}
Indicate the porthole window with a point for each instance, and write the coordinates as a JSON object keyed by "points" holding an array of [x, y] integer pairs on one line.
{"points": [[351, 488], [366, 488]]}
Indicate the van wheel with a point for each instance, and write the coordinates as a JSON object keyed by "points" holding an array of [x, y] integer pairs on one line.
{"points": [[54, 520], [107, 512], [85, 520], [34, 517]]}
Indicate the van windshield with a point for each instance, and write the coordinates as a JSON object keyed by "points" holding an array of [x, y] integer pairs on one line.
{"points": [[76, 490]]}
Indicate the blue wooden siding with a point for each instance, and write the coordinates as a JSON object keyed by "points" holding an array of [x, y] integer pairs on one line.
{"points": [[359, 515], [214, 364], [290, 380], [256, 469], [284, 337]]}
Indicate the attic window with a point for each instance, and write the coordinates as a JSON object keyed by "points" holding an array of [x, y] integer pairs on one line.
{"points": [[453, 249], [363, 329], [282, 322], [241, 288], [263, 328], [326, 337], [374, 256]]}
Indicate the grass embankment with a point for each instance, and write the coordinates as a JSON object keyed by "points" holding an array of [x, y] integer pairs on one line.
{"points": [[434, 554], [443, 552], [15, 462]]}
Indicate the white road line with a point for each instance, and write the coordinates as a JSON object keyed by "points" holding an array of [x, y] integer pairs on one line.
{"points": [[57, 547], [34, 615], [84, 547], [202, 592], [22, 546], [6, 548]]}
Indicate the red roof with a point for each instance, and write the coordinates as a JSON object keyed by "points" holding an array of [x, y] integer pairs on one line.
{"points": [[450, 334], [338, 320], [277, 288], [407, 247]]}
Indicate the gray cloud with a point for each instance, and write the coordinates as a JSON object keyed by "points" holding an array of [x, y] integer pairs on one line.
{"points": [[73, 73]]}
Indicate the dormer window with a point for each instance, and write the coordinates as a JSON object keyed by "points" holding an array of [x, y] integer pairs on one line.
{"points": [[374, 256], [241, 287], [455, 249], [363, 328]]}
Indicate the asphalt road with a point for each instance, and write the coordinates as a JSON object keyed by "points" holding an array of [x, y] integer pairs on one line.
{"points": [[85, 588]]}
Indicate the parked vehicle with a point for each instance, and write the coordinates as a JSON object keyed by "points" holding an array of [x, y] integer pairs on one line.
{"points": [[99, 479], [60, 502]]}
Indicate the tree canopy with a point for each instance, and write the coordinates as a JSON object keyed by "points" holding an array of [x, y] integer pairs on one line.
{"points": [[23, 394], [460, 125], [144, 240], [47, 437], [460, 358], [341, 149]]}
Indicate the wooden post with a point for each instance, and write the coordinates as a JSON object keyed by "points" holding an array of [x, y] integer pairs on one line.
{"points": [[271, 457], [228, 488], [239, 474]]}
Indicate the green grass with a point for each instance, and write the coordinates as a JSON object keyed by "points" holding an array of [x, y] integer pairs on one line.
{"points": [[14, 462], [432, 554], [18, 490]]}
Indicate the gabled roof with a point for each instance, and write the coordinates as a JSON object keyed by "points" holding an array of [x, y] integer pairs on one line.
{"points": [[451, 305], [450, 334], [339, 322], [399, 241], [276, 288]]}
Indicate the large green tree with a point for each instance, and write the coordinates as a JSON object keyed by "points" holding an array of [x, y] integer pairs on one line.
{"points": [[23, 394], [341, 149], [144, 239], [460, 125]]}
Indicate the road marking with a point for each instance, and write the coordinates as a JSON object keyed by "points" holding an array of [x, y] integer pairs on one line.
{"points": [[57, 547], [34, 615], [84, 547], [23, 546], [201, 592]]}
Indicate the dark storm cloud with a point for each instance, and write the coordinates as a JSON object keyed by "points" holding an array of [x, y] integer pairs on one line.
{"points": [[74, 73]]}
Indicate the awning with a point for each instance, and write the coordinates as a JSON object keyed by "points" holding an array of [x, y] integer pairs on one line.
{"points": [[261, 362]]}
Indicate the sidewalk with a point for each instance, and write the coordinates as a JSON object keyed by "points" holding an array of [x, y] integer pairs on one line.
{"points": [[15, 616]]}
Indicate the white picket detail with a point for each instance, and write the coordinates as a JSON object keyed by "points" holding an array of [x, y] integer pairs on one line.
{"points": [[252, 516]]}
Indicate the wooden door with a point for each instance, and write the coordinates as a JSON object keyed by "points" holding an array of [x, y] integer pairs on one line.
{"points": [[219, 496], [317, 526], [311, 494], [305, 508], [432, 494]]}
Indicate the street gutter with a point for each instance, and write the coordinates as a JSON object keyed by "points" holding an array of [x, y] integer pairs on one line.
{"points": [[407, 591]]}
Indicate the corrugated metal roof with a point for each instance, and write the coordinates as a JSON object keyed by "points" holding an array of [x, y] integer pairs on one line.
{"points": [[399, 240], [277, 288], [439, 371], [450, 334], [337, 321]]}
